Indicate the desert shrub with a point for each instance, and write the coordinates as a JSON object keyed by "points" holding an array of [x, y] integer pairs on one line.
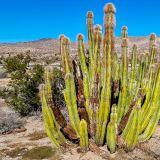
{"points": [[22, 92], [9, 121], [58, 87], [3, 73], [4, 92], [1, 59]]}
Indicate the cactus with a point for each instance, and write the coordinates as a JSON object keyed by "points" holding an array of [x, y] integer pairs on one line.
{"points": [[122, 105], [105, 98], [83, 135], [131, 131], [132, 82], [153, 106], [111, 137], [50, 123], [70, 90]]}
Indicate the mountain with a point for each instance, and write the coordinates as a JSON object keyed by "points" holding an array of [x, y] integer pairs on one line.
{"points": [[48, 48]]}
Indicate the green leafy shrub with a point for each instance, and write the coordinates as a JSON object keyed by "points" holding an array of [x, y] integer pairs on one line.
{"points": [[22, 92], [58, 85]]}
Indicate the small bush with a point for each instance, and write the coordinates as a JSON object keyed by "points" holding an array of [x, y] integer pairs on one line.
{"points": [[3, 73], [22, 94], [58, 87], [9, 121]]}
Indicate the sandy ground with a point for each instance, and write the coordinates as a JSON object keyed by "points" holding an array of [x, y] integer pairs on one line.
{"points": [[31, 142], [4, 82]]}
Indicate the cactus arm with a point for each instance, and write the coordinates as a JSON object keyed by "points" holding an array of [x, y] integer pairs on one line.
{"points": [[133, 71], [50, 123], [123, 107], [83, 135], [70, 98], [111, 136], [70, 92], [151, 109], [108, 50], [131, 136], [90, 43], [81, 53], [148, 132]]}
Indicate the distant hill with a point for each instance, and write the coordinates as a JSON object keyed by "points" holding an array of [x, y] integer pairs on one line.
{"points": [[49, 48]]}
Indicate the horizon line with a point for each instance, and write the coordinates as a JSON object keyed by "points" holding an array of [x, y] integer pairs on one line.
{"points": [[51, 38]]}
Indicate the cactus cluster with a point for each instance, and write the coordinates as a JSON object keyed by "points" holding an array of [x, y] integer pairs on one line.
{"points": [[107, 97]]}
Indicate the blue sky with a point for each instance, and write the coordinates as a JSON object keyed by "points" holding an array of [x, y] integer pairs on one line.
{"points": [[25, 20]]}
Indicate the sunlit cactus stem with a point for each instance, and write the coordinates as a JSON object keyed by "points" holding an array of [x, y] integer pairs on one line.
{"points": [[152, 50], [151, 125], [108, 49], [153, 104], [116, 79], [132, 83], [94, 100], [83, 135], [90, 22], [85, 72], [51, 126], [131, 131], [122, 105], [111, 137], [70, 90], [152, 41], [61, 38]]}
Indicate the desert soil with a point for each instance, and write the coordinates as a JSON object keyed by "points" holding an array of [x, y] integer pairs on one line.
{"points": [[31, 142]]}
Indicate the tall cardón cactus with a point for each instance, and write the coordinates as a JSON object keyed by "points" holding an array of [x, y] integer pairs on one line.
{"points": [[105, 98]]}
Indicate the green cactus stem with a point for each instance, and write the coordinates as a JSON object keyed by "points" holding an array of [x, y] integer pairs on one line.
{"points": [[148, 132], [111, 137], [131, 131], [83, 135], [123, 106], [70, 91], [108, 49], [51, 126], [151, 108], [132, 83]]}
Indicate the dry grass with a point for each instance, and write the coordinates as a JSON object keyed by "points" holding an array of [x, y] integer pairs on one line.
{"points": [[37, 135], [17, 151], [43, 152], [13, 145], [10, 121]]}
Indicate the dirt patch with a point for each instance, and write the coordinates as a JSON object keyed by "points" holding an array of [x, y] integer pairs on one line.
{"points": [[37, 135], [33, 144], [13, 145], [39, 153], [13, 153]]}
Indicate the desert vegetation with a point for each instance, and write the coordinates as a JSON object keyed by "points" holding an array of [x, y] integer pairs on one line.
{"points": [[21, 93], [108, 102]]}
